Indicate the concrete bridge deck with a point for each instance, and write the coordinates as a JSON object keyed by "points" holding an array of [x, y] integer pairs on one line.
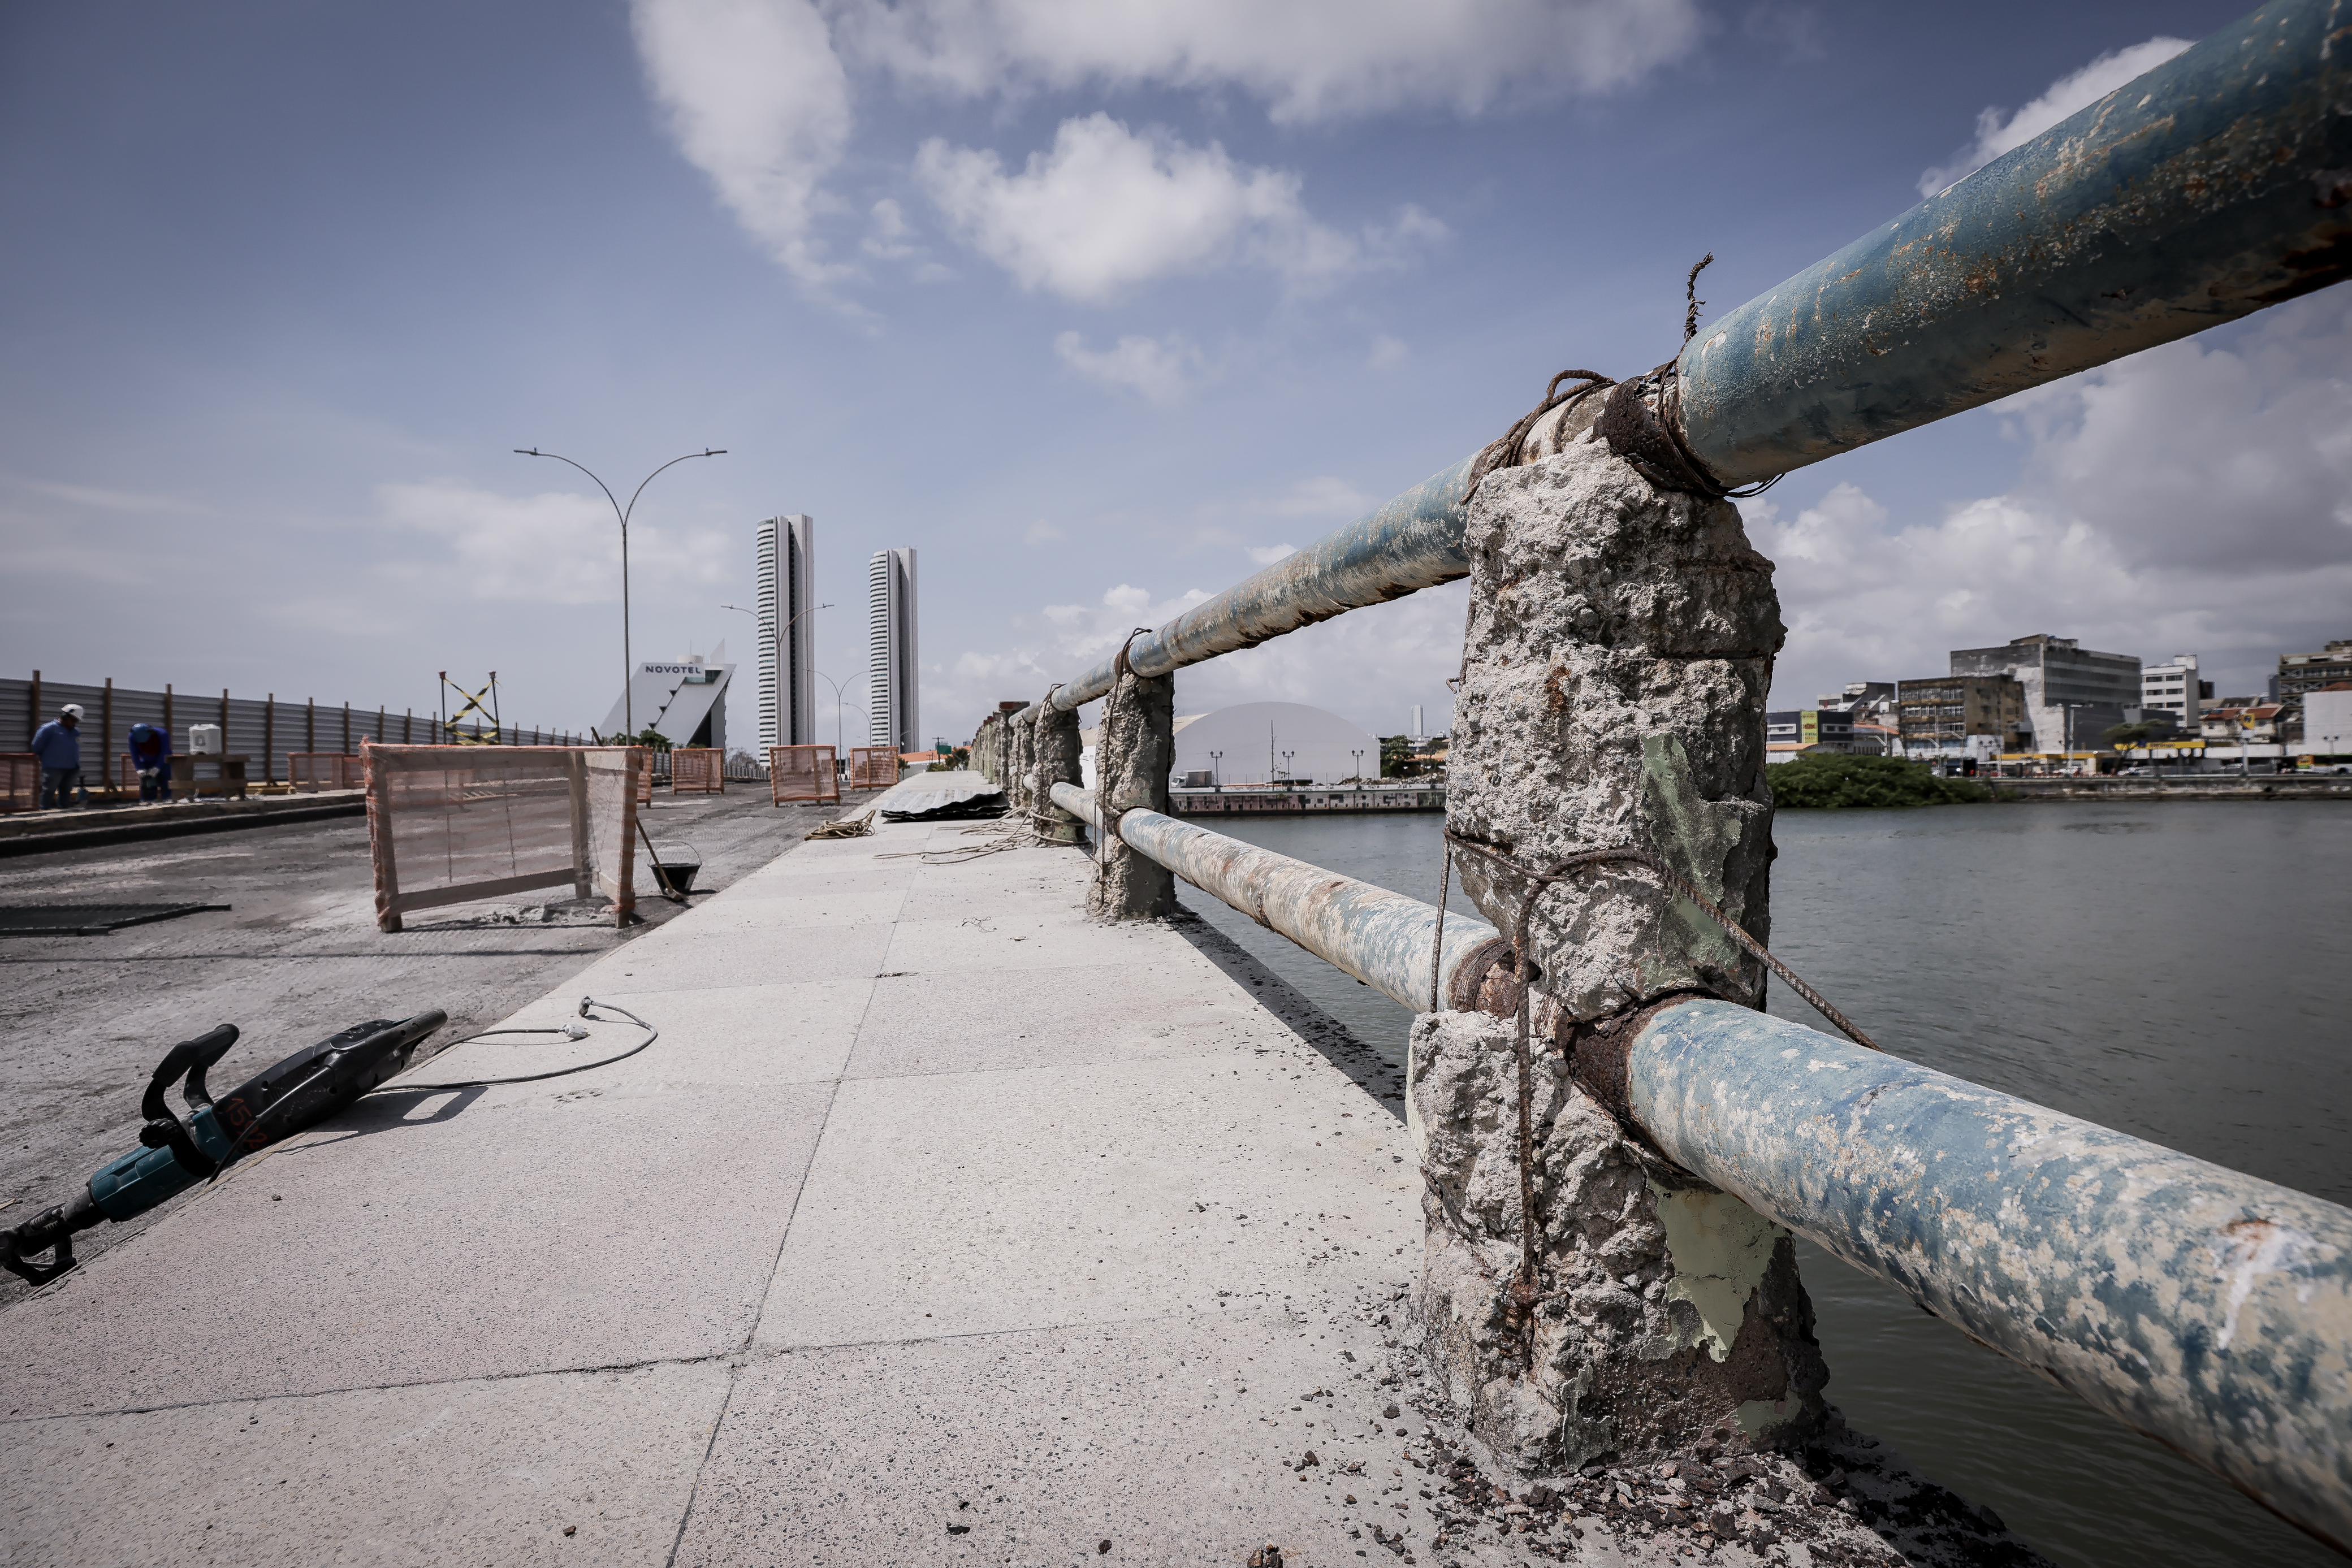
{"points": [[939, 1226]]}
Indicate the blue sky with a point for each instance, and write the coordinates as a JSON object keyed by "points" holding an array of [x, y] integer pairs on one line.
{"points": [[1096, 305]]}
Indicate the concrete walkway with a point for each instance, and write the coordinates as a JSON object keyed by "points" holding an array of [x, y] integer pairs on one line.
{"points": [[940, 1226]]}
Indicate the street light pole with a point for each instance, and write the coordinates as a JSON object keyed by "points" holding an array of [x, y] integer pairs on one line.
{"points": [[628, 657], [828, 680]]}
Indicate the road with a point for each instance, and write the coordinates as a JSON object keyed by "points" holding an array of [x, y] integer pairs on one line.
{"points": [[295, 957]]}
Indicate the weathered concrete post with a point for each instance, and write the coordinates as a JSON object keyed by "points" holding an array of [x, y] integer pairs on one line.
{"points": [[1620, 648], [1132, 761], [987, 749], [1054, 759], [1017, 739]]}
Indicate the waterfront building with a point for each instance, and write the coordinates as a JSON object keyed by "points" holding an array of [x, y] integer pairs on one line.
{"points": [[2302, 673], [1954, 716], [893, 677], [2328, 720], [787, 566], [1792, 732], [2174, 688], [2072, 695]]}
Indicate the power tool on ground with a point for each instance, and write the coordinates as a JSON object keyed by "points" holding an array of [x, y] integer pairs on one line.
{"points": [[176, 1153]]}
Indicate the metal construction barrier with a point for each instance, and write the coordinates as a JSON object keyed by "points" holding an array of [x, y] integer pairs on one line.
{"points": [[453, 824], [872, 766], [803, 773], [2206, 1309], [311, 772], [696, 770]]}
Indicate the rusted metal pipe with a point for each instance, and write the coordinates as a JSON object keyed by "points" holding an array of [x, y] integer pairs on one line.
{"points": [[2216, 185], [2208, 1310], [1382, 938]]}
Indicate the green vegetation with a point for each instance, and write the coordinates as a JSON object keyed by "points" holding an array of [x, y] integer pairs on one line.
{"points": [[1831, 779]]}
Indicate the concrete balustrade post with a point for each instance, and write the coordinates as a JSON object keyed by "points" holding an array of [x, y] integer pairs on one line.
{"points": [[1053, 749], [1620, 649], [1134, 754], [1019, 737]]}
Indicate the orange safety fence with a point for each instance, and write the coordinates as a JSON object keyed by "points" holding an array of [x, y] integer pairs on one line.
{"points": [[311, 772], [697, 770], [803, 773], [20, 782], [453, 824], [872, 766]]}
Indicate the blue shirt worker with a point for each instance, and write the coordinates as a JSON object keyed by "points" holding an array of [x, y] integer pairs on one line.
{"points": [[150, 756], [59, 746]]}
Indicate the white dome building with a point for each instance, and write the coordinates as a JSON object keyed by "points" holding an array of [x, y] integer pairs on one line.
{"points": [[1263, 743]]}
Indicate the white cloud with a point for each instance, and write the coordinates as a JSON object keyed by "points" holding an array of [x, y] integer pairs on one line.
{"points": [[1157, 370], [1266, 555], [1106, 210], [1387, 353], [1041, 532], [2194, 498], [1998, 131], [756, 98], [1306, 60], [553, 548]]}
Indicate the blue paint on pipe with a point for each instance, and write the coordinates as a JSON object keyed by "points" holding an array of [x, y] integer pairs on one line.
{"points": [[1382, 938], [2216, 185], [2206, 1309]]}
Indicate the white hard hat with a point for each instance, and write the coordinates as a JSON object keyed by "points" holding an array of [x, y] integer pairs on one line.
{"points": [[73, 708]]}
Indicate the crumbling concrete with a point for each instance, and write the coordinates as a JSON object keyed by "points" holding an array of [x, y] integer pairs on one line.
{"points": [[988, 748], [1019, 741], [1618, 655], [1136, 750], [1620, 649], [1667, 1309], [1053, 748]]}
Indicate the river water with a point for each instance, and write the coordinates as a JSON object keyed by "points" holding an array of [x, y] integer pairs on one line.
{"points": [[2179, 970]]}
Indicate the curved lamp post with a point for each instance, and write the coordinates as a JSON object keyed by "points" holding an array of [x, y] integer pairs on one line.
{"points": [[628, 659]]}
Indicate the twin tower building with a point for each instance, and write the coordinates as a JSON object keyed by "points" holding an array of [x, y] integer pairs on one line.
{"points": [[788, 672]]}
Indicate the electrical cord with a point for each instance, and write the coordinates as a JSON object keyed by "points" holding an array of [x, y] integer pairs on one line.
{"points": [[569, 1030]]}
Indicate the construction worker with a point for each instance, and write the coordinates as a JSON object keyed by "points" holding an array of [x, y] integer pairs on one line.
{"points": [[151, 754], [59, 746]]}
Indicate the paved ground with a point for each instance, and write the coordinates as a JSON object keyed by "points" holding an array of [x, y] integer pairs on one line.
{"points": [[296, 957], [939, 1226]]}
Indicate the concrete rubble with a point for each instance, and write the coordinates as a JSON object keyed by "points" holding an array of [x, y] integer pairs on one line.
{"points": [[1133, 759]]}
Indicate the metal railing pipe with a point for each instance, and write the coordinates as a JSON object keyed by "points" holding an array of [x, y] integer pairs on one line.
{"points": [[1380, 938], [2215, 184], [2206, 1309]]}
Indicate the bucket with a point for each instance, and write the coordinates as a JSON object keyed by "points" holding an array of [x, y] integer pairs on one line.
{"points": [[678, 862]]}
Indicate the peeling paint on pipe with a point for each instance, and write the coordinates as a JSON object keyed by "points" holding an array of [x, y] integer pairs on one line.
{"points": [[2216, 185], [1411, 543], [1382, 938], [2206, 1309]]}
